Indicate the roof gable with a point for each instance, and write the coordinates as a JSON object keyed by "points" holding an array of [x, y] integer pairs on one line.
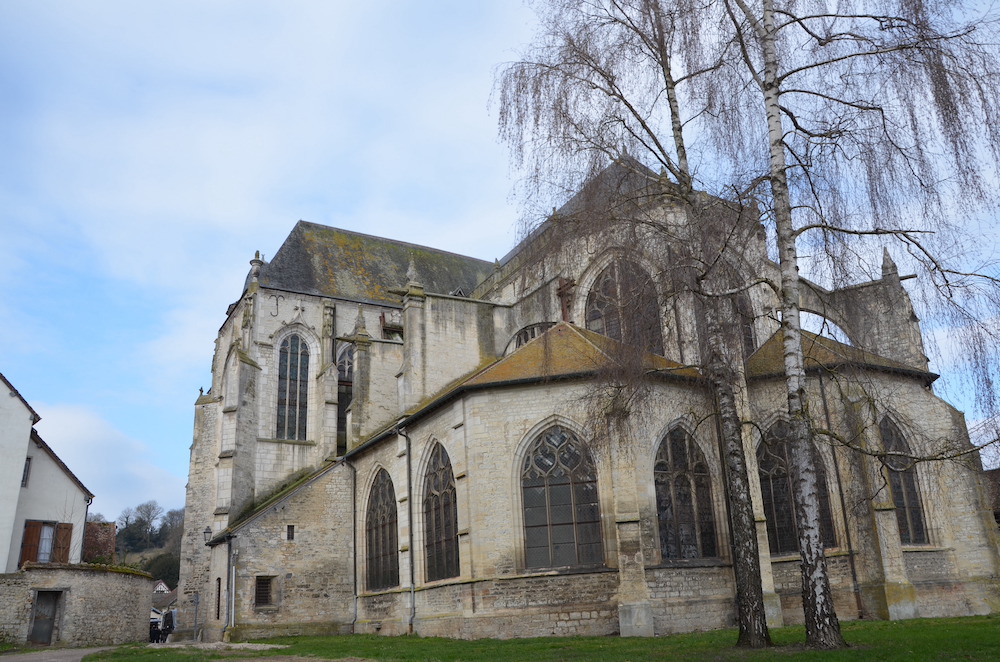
{"points": [[15, 393], [324, 261]]}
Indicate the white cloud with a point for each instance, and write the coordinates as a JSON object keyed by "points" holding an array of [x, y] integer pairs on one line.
{"points": [[150, 148], [121, 471]]}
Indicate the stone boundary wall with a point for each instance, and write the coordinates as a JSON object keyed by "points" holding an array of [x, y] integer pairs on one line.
{"points": [[98, 605]]}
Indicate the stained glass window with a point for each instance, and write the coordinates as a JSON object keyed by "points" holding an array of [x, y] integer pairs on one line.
{"points": [[622, 304], [381, 534], [293, 388], [562, 517], [776, 490], [903, 483], [683, 499], [440, 517]]}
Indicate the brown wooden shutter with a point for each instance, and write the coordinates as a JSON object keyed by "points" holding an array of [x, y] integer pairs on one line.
{"points": [[60, 550], [29, 543]]}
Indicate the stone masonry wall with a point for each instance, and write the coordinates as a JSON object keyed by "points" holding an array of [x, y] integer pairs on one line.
{"points": [[311, 565], [97, 606]]}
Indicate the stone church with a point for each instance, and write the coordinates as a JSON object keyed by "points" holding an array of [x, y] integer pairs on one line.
{"points": [[400, 439]]}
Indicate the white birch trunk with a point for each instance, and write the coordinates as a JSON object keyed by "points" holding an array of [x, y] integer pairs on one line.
{"points": [[822, 626]]}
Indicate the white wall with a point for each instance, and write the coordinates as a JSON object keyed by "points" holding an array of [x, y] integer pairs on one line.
{"points": [[51, 496], [15, 430]]}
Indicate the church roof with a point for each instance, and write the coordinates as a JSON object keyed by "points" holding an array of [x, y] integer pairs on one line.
{"points": [[768, 360], [324, 261], [565, 351]]}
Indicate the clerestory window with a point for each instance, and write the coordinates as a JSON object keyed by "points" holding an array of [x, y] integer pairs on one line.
{"points": [[293, 388], [345, 392], [440, 517], [562, 517], [622, 304], [903, 482], [776, 490], [382, 538], [683, 499]]}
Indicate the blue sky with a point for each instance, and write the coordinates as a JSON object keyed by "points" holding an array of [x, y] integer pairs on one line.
{"points": [[149, 148]]}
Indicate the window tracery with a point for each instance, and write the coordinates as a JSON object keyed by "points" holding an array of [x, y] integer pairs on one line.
{"points": [[903, 484], [562, 517], [776, 490], [622, 304], [382, 566], [293, 388], [683, 498], [440, 517]]}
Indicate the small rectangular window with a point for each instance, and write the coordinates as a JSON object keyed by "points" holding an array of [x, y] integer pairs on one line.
{"points": [[27, 472], [290, 533], [262, 591]]}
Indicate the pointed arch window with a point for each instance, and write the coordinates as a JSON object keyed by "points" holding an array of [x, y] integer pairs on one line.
{"points": [[903, 483], [293, 388], [345, 392], [562, 517], [683, 498], [382, 551], [776, 490], [440, 517], [622, 304]]}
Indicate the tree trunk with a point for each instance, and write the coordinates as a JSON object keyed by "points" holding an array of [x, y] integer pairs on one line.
{"points": [[822, 626], [750, 609]]}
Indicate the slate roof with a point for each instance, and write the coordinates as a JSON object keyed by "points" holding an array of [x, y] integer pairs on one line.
{"points": [[324, 261], [768, 360]]}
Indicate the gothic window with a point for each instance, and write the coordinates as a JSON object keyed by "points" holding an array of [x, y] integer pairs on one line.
{"points": [[562, 518], [903, 483], [293, 388], [776, 489], [440, 517], [345, 391], [622, 304], [380, 532], [683, 499]]}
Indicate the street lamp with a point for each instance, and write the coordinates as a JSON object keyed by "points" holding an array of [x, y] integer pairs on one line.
{"points": [[207, 533]]}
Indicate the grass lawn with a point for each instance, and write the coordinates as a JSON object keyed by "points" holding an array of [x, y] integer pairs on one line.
{"points": [[973, 638]]}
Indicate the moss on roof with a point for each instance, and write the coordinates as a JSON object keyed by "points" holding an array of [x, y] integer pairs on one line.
{"points": [[566, 350], [820, 352], [324, 261]]}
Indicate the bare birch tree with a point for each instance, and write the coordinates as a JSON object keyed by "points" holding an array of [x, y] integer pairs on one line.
{"points": [[850, 124], [870, 114], [607, 78]]}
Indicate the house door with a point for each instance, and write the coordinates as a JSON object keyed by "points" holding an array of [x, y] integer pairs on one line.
{"points": [[44, 617]]}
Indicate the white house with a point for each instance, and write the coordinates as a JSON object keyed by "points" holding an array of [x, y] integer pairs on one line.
{"points": [[43, 506]]}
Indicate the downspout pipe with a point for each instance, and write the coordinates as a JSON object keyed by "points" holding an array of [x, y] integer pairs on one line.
{"points": [[354, 538], [409, 502], [230, 587]]}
